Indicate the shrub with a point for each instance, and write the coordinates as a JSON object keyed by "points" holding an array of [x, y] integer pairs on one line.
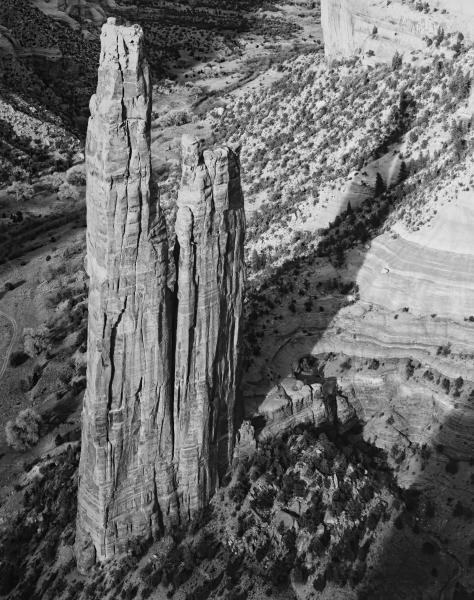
{"points": [[68, 192], [319, 583], [452, 466], [374, 365], [428, 548], [23, 433], [18, 358], [76, 177]]}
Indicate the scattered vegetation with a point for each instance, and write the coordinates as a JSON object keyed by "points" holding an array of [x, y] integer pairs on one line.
{"points": [[23, 432]]}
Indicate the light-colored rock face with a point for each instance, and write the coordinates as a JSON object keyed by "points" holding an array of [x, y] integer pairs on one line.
{"points": [[126, 481], [149, 460], [210, 229], [245, 443], [357, 26]]}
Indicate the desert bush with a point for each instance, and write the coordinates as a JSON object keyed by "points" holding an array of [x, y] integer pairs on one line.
{"points": [[76, 176], [67, 192], [23, 433], [452, 466], [21, 191], [18, 358], [51, 183], [177, 119]]}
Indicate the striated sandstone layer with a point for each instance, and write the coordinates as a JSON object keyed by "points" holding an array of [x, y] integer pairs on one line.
{"points": [[210, 229], [416, 304], [126, 478], [357, 26]]}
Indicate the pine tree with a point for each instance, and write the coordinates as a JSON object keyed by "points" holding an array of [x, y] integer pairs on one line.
{"points": [[380, 187], [254, 261], [397, 61], [340, 257], [403, 172]]}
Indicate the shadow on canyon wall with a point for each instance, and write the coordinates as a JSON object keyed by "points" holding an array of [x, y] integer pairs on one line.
{"points": [[430, 549]]}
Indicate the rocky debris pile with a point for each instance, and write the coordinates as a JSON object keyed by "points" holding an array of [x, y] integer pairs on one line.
{"points": [[158, 417]]}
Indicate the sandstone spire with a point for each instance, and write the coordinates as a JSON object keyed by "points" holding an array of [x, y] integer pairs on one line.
{"points": [[162, 370], [126, 474], [210, 229]]}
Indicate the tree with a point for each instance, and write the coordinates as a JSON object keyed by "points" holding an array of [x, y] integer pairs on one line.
{"points": [[397, 61], [22, 191], [403, 172], [457, 139], [23, 433], [380, 187], [254, 260], [340, 257]]}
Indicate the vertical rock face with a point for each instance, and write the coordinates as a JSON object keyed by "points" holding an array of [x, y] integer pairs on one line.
{"points": [[158, 415], [126, 475], [210, 229], [357, 26]]}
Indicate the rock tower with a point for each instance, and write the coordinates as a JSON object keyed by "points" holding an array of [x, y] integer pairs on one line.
{"points": [[162, 367], [210, 228]]}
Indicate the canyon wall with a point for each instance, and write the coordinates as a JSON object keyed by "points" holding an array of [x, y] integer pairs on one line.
{"points": [[358, 26], [155, 438]]}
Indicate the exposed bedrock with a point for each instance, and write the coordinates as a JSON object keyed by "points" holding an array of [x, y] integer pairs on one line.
{"points": [[210, 229], [126, 476], [162, 376], [358, 26], [402, 350], [292, 402]]}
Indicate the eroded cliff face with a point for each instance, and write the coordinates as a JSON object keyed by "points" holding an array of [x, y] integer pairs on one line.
{"points": [[358, 26], [210, 229], [126, 478], [158, 416]]}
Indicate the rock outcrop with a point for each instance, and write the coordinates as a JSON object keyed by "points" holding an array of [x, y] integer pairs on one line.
{"points": [[358, 26], [245, 443], [158, 416], [210, 228], [126, 477]]}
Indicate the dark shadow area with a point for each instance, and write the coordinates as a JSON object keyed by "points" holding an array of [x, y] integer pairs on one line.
{"points": [[419, 559]]}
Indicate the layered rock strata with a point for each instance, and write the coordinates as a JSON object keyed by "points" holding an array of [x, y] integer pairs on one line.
{"points": [[158, 415], [358, 26], [210, 229]]}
